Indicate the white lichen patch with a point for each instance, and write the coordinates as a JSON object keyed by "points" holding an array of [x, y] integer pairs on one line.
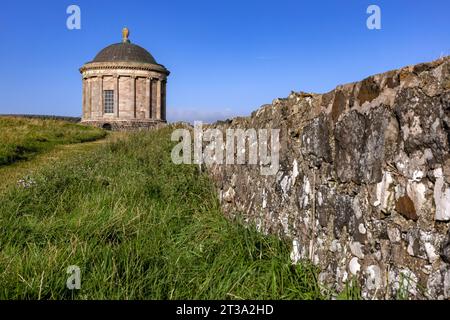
{"points": [[335, 246], [316, 260], [417, 192], [306, 219], [430, 243], [264, 199], [306, 185], [394, 234], [284, 220], [416, 128], [228, 196], [431, 252], [417, 175], [296, 252], [436, 124], [319, 198], [362, 229], [427, 154], [373, 280], [294, 171], [384, 196], [441, 197], [233, 180], [413, 167], [447, 285], [356, 249], [285, 185], [357, 208], [354, 267], [341, 274]]}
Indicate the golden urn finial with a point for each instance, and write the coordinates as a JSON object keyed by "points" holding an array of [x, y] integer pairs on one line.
{"points": [[125, 34]]}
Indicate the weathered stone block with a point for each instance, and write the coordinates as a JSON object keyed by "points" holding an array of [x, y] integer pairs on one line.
{"points": [[368, 91], [315, 141], [349, 140], [339, 105], [344, 215], [360, 146], [421, 122]]}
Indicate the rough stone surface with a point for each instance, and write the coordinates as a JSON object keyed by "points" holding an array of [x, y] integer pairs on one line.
{"points": [[315, 144], [445, 254], [363, 187]]}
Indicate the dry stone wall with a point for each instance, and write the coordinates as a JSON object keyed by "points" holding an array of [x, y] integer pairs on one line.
{"points": [[363, 189]]}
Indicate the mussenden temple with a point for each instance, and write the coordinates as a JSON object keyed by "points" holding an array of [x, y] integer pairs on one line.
{"points": [[124, 88]]}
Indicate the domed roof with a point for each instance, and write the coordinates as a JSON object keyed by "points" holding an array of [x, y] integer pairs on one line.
{"points": [[124, 52]]}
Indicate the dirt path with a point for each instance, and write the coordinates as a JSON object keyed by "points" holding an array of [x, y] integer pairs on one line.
{"points": [[10, 174]]}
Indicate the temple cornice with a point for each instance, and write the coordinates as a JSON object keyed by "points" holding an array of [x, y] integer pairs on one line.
{"points": [[124, 65]]}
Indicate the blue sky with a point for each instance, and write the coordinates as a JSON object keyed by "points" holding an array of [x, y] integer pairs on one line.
{"points": [[226, 57]]}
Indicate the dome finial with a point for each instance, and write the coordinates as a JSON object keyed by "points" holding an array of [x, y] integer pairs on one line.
{"points": [[125, 34]]}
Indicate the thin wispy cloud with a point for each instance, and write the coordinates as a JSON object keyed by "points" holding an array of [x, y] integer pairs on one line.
{"points": [[190, 115]]}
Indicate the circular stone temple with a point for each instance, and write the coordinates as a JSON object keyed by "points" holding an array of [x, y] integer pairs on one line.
{"points": [[124, 88]]}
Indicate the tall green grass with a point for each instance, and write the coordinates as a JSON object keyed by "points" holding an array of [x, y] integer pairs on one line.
{"points": [[22, 138], [139, 227]]}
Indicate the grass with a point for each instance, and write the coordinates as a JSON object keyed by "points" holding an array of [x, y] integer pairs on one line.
{"points": [[351, 291], [22, 138], [139, 227]]}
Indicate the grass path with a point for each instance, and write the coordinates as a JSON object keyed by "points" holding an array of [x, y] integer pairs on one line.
{"points": [[137, 226], [10, 174], [23, 139]]}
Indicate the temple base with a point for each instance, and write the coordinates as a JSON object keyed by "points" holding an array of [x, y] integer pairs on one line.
{"points": [[126, 125]]}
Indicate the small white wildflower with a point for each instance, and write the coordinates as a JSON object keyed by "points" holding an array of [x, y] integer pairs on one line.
{"points": [[26, 183]]}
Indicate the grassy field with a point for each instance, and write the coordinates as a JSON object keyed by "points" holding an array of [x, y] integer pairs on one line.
{"points": [[139, 227], [22, 138]]}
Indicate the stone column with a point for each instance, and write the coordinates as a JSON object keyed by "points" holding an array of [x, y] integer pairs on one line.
{"points": [[149, 86], [116, 93], [158, 100], [83, 100], [163, 100], [133, 95], [102, 108], [95, 99], [90, 97]]}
